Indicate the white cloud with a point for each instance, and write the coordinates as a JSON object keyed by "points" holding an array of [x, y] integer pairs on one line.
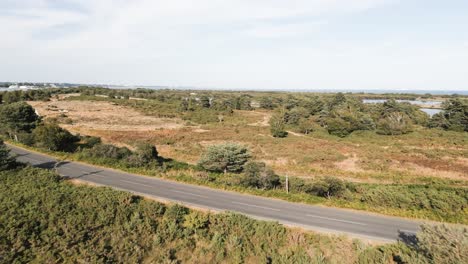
{"points": [[231, 43]]}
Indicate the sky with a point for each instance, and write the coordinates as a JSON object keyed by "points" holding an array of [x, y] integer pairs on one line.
{"points": [[232, 44]]}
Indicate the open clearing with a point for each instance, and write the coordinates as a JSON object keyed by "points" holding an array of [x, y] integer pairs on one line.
{"points": [[363, 156]]}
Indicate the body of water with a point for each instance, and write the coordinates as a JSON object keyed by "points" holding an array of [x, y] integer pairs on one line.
{"points": [[414, 102], [429, 111]]}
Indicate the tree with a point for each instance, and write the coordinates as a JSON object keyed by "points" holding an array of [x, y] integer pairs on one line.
{"points": [[205, 101], [328, 187], [338, 127], [6, 161], [395, 123], [258, 175], [144, 154], [278, 126], [293, 116], [55, 138], [306, 126], [16, 118], [456, 112], [227, 157], [266, 103]]}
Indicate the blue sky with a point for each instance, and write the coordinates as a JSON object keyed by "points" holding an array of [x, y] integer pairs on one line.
{"points": [[265, 44]]}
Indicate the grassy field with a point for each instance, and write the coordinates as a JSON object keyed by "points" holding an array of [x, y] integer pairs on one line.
{"points": [[364, 156]]}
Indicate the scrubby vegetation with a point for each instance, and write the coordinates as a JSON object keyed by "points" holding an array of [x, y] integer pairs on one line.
{"points": [[46, 219], [236, 167], [340, 114]]}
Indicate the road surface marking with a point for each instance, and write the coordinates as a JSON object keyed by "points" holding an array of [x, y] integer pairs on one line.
{"points": [[132, 182], [257, 206], [193, 194], [338, 220]]}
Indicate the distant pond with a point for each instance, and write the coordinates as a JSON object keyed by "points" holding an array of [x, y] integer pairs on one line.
{"points": [[429, 111]]}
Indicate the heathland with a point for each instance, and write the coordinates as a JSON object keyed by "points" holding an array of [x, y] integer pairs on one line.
{"points": [[389, 158]]}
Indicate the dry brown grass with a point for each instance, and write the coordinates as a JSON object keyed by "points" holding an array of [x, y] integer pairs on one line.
{"points": [[363, 158]]}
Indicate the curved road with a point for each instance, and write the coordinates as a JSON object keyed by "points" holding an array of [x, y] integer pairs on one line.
{"points": [[318, 218]]}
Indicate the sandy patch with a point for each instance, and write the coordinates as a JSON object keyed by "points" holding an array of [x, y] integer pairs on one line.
{"points": [[99, 115], [263, 122], [349, 164], [425, 171]]}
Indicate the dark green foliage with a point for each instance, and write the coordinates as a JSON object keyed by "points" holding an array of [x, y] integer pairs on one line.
{"points": [[52, 137], [278, 126], [338, 127], [329, 187], [306, 126], [454, 117], [293, 116], [144, 155], [229, 157], [107, 151], [258, 175], [445, 202], [267, 103], [395, 123], [344, 115], [89, 141], [205, 102], [16, 118], [6, 161]]}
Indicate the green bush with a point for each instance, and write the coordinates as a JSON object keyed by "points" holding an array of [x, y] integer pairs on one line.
{"points": [[278, 126], [338, 127], [107, 151], [258, 175], [395, 123], [328, 187], [6, 161], [17, 118], [228, 157], [144, 155], [52, 137]]}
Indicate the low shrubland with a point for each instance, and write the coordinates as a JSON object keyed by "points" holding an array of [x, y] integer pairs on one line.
{"points": [[46, 219]]}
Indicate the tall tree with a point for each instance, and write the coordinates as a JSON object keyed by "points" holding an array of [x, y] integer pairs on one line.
{"points": [[16, 118]]}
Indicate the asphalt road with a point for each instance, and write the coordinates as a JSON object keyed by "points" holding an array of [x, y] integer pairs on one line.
{"points": [[318, 218]]}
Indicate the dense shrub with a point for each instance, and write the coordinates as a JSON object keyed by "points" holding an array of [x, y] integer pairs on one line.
{"points": [[446, 202], [454, 117], [228, 157], [52, 137], [278, 126], [89, 141], [6, 161], [258, 175], [328, 187], [144, 155], [17, 118], [443, 244], [107, 151], [338, 127], [395, 123]]}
